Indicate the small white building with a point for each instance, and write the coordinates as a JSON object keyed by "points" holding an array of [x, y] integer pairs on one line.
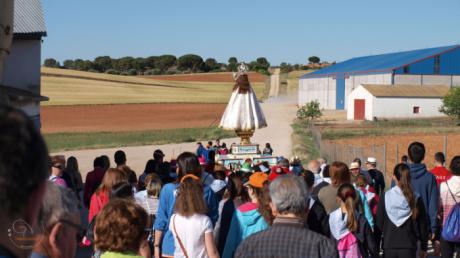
{"points": [[370, 101]]}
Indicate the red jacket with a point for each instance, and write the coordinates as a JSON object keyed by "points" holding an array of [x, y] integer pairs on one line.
{"points": [[98, 201], [92, 182], [277, 171], [442, 174]]}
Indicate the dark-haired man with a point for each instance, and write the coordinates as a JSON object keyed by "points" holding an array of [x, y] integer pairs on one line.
{"points": [[24, 169], [441, 173], [424, 183], [93, 180]]}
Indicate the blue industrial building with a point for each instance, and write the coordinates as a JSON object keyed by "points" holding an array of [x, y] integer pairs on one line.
{"points": [[431, 66]]}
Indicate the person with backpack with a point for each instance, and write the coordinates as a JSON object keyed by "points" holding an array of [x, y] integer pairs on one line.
{"points": [[187, 164], [350, 228], [401, 218], [191, 227], [450, 201]]}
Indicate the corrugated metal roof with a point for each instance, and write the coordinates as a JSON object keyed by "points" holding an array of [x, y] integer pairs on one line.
{"points": [[415, 91], [28, 17], [380, 63]]}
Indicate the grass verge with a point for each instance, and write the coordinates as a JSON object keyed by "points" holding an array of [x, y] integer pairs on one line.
{"points": [[303, 143], [77, 141]]}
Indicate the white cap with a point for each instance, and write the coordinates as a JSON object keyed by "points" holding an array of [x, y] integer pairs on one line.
{"points": [[371, 160]]}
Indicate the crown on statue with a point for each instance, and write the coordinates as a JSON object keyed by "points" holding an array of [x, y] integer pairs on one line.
{"points": [[242, 69]]}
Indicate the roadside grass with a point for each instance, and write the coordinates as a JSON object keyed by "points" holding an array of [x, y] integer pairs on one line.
{"points": [[86, 88], [303, 143], [76, 141]]}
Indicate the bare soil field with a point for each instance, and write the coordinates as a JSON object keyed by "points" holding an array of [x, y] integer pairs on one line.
{"points": [[128, 117], [396, 146], [207, 77]]}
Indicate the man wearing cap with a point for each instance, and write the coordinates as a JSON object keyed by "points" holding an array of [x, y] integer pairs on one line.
{"points": [[288, 236], [378, 180], [363, 172]]}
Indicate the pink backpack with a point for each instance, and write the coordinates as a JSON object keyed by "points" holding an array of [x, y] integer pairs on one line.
{"points": [[348, 247]]}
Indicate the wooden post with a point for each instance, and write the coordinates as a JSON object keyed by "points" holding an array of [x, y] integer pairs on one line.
{"points": [[385, 158], [445, 146]]}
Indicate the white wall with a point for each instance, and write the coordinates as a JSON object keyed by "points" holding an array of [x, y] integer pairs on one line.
{"points": [[450, 80], [403, 107], [321, 89], [22, 70], [354, 81], [360, 93]]}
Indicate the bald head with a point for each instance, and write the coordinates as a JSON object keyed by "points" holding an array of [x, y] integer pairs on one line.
{"points": [[314, 166]]}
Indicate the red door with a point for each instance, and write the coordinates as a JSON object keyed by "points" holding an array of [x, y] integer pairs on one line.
{"points": [[360, 109]]}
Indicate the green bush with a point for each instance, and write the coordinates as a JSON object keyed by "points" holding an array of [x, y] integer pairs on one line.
{"points": [[310, 111], [451, 104], [152, 72], [112, 71], [132, 72]]}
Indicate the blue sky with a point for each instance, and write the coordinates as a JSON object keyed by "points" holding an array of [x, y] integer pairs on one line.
{"points": [[288, 31]]}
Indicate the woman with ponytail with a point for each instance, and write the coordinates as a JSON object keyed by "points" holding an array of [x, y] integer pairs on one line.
{"points": [[187, 166], [349, 227], [401, 218], [251, 217]]}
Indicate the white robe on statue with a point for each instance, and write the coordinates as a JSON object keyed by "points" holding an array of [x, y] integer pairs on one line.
{"points": [[243, 112]]}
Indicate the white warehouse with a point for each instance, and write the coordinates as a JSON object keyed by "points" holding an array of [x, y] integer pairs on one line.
{"points": [[331, 86], [372, 101]]}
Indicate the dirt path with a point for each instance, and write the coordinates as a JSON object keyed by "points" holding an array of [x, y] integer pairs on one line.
{"points": [[279, 113]]}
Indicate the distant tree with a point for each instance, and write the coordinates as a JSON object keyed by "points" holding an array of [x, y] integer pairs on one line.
{"points": [[451, 104], [263, 63], [212, 64], [139, 64], [232, 64], [164, 62], [286, 68], [132, 72], [310, 111], [102, 63], [314, 59], [79, 64], [51, 62], [150, 61], [125, 63], [152, 72], [189, 62], [296, 67], [69, 64]]}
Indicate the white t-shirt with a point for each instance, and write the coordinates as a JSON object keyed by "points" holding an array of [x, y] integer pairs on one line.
{"points": [[191, 232]]}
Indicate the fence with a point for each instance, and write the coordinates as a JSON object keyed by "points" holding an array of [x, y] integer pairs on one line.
{"points": [[389, 153]]}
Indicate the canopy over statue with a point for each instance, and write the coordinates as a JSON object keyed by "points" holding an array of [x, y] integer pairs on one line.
{"points": [[243, 113]]}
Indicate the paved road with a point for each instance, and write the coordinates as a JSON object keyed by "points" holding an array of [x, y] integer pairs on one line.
{"points": [[279, 113]]}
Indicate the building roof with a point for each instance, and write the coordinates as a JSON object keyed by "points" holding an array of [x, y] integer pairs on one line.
{"points": [[28, 19], [16, 93], [408, 91], [380, 63]]}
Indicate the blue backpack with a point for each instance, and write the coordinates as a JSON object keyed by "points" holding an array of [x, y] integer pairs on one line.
{"points": [[451, 230]]}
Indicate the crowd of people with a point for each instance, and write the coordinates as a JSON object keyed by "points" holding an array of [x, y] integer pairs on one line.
{"points": [[194, 207]]}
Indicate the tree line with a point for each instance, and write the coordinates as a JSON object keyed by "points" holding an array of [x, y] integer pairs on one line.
{"points": [[156, 65]]}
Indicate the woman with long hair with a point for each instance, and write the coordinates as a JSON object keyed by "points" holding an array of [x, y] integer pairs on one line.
{"points": [[192, 229], [251, 217], [101, 197], [349, 227], [235, 195], [72, 176], [401, 218], [187, 164]]}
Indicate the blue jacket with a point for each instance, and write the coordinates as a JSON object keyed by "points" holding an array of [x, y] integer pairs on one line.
{"points": [[166, 209], [367, 210], [424, 184], [245, 221]]}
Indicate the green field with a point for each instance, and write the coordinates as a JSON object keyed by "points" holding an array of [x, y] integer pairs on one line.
{"points": [[69, 87], [77, 141]]}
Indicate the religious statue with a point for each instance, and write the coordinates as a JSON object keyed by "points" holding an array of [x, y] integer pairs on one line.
{"points": [[243, 113]]}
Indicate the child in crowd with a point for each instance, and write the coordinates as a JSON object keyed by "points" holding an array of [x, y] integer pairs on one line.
{"points": [[350, 228]]}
